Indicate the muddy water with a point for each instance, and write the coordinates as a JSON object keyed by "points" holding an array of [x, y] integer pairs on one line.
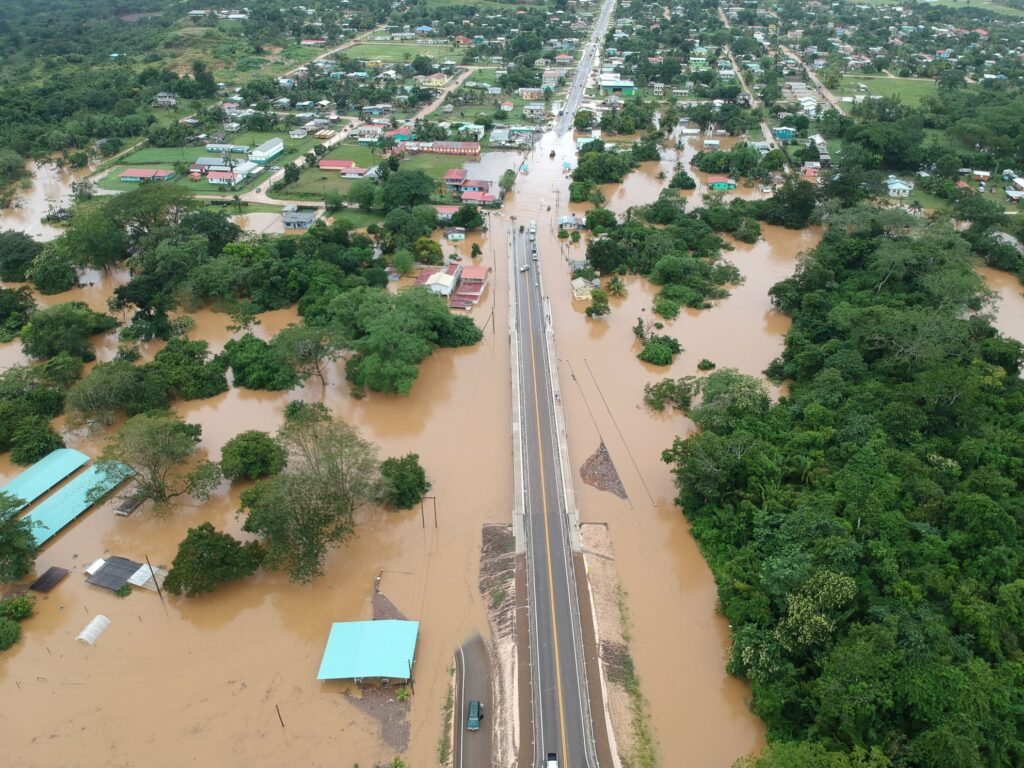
{"points": [[50, 187], [211, 670], [1008, 311], [199, 679], [700, 715]]}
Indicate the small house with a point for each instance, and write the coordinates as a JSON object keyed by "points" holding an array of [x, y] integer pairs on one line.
{"points": [[455, 234], [298, 133], [721, 183], [294, 217], [784, 133], [898, 188], [136, 175]]}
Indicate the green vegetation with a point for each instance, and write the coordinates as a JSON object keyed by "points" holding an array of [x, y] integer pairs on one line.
{"points": [[856, 528], [17, 546], [403, 481], [207, 558], [683, 256], [17, 252], [10, 633], [677, 393], [309, 507], [656, 349], [156, 449], [251, 455], [909, 90]]}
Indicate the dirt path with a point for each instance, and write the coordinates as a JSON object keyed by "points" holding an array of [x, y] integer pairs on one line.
{"points": [[452, 85]]}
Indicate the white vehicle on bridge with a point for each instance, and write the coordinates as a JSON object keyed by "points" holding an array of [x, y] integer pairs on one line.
{"points": [[552, 761]]}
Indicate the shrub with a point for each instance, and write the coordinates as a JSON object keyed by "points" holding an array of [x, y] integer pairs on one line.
{"points": [[251, 455], [10, 633], [659, 350], [32, 439], [257, 365], [403, 481], [207, 557], [705, 365], [17, 608]]}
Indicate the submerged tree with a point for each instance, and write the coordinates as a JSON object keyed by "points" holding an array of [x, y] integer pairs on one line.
{"points": [[208, 557], [308, 508], [157, 451], [17, 545]]}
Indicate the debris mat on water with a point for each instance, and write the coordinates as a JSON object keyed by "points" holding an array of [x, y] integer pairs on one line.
{"points": [[599, 471]]}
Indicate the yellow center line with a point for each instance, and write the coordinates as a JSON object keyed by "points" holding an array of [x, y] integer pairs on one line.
{"points": [[547, 533]]}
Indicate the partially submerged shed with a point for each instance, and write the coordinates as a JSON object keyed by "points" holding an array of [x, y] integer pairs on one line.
{"points": [[44, 475], [360, 650]]}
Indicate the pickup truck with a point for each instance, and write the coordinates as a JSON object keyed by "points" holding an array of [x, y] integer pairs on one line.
{"points": [[552, 761]]}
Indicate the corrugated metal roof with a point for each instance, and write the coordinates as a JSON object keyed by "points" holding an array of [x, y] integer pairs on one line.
{"points": [[361, 649], [44, 474], [72, 500]]}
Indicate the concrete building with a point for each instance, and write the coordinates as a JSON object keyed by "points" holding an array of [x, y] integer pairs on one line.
{"points": [[267, 151]]}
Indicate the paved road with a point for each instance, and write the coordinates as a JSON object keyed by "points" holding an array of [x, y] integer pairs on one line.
{"points": [[472, 749], [579, 84], [560, 705]]}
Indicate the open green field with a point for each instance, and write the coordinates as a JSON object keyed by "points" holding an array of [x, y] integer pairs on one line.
{"points": [[910, 91], [314, 184], [401, 52], [151, 155], [360, 154], [964, 5]]}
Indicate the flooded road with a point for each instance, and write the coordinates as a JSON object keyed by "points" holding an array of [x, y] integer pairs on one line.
{"points": [[680, 646], [200, 678]]}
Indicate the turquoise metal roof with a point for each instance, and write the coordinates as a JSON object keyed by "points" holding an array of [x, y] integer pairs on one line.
{"points": [[44, 474], [358, 649], [70, 501]]}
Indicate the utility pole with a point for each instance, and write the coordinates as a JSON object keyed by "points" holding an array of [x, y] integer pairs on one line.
{"points": [[155, 579]]}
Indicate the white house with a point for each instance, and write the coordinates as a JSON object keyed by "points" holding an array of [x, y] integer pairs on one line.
{"points": [[898, 187], [267, 151], [298, 133]]}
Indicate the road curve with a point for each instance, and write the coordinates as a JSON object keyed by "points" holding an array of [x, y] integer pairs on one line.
{"points": [[472, 749]]}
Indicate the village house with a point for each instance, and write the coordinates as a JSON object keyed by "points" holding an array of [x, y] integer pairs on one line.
{"points": [[165, 99], [531, 94], [135, 175], [721, 183], [294, 217], [898, 188]]}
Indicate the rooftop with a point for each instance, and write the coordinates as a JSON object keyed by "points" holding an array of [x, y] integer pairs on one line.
{"points": [[363, 649]]}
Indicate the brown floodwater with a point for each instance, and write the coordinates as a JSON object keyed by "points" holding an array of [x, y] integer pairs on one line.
{"points": [[49, 187], [199, 679], [699, 713], [1008, 309]]}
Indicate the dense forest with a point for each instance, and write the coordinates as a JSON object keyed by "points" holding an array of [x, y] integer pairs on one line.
{"points": [[865, 531]]}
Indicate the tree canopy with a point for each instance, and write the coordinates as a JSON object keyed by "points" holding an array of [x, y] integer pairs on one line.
{"points": [[864, 530]]}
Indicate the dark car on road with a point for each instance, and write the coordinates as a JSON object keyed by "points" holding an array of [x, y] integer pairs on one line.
{"points": [[474, 715]]}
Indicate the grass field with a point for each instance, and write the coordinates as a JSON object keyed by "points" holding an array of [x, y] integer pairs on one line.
{"points": [[150, 155], [910, 91], [968, 6], [400, 52]]}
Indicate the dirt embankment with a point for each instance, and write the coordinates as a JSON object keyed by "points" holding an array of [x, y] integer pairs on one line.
{"points": [[625, 706], [599, 471], [497, 585]]}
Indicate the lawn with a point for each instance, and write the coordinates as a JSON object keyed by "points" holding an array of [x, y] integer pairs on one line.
{"points": [[314, 184], [910, 91], [153, 155], [360, 154], [399, 52]]}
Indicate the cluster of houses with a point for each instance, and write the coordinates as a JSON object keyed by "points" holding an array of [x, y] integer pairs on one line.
{"points": [[468, 191], [461, 285]]}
